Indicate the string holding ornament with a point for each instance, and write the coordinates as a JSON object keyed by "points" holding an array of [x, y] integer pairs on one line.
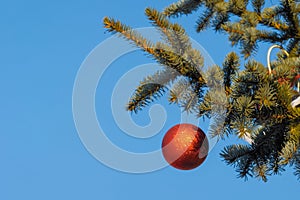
{"points": [[295, 99]]}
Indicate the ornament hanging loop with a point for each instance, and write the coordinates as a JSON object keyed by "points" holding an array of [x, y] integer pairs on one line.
{"points": [[269, 53], [269, 63]]}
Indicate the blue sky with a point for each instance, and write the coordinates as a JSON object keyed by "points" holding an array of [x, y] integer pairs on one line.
{"points": [[43, 44]]}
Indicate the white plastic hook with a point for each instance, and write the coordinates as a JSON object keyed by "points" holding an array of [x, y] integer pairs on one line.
{"points": [[295, 102], [269, 53], [269, 64]]}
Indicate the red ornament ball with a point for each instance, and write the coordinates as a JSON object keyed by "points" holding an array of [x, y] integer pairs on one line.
{"points": [[185, 146]]}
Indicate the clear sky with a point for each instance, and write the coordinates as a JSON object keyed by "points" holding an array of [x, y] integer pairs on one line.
{"points": [[43, 44]]}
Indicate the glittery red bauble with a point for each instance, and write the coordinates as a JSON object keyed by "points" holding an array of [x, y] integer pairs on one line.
{"points": [[185, 146]]}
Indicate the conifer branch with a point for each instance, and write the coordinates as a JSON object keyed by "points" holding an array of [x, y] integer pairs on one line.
{"points": [[151, 88], [283, 18], [230, 69], [116, 26], [257, 5], [253, 103], [182, 7], [174, 33], [204, 20]]}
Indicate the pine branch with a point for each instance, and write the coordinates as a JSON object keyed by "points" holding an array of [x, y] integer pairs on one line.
{"points": [[204, 20], [283, 18], [181, 65], [230, 69], [116, 26], [266, 97], [182, 7], [269, 19], [183, 94], [256, 104], [257, 5], [233, 153], [259, 159], [297, 164], [187, 63], [288, 8], [176, 37], [217, 111], [293, 47], [174, 33], [151, 88]]}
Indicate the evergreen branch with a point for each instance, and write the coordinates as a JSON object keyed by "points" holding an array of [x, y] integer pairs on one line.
{"points": [[238, 7], [204, 20], [269, 18], [297, 170], [205, 107], [256, 105], [249, 36], [182, 7], [240, 157], [214, 77], [257, 5], [250, 19], [288, 8], [269, 36], [221, 11], [260, 171], [195, 58], [184, 94], [174, 33], [217, 128], [230, 68], [190, 100], [218, 112], [260, 158], [218, 14], [189, 64], [181, 65], [116, 26], [145, 94], [158, 19], [220, 19], [233, 154], [288, 152], [266, 96], [151, 88], [297, 164], [293, 47], [178, 90], [249, 41]]}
